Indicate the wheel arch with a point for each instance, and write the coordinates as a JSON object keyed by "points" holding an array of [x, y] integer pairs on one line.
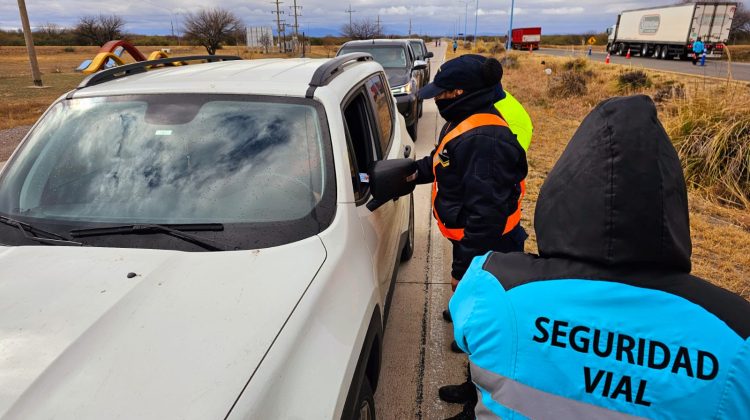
{"points": [[368, 364]]}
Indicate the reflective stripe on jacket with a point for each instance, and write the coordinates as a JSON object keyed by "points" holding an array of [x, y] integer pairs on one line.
{"points": [[474, 121]]}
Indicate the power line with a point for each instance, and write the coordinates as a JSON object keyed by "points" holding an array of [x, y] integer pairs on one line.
{"points": [[279, 24], [295, 11], [350, 11]]}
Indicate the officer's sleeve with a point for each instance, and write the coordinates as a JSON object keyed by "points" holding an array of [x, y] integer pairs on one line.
{"points": [[492, 169], [424, 169]]}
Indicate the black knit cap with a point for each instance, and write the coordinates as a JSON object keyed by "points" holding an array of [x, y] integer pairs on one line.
{"points": [[470, 73]]}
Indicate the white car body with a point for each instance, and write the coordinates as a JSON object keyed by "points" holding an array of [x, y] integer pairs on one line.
{"points": [[279, 332]]}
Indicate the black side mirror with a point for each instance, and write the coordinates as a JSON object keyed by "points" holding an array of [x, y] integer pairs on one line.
{"points": [[391, 179], [430, 54]]}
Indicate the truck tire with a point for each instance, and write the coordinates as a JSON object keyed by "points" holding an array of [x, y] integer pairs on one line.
{"points": [[657, 51], [623, 50], [665, 53], [644, 50]]}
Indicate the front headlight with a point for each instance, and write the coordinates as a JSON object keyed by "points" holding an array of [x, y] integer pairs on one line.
{"points": [[403, 89]]}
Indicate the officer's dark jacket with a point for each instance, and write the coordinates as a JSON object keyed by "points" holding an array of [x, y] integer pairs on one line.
{"points": [[607, 321], [479, 183]]}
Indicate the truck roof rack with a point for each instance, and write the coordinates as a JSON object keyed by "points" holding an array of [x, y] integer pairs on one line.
{"points": [[332, 68], [142, 66]]}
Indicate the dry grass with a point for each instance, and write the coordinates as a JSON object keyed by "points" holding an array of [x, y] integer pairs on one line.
{"points": [[720, 233], [21, 105]]}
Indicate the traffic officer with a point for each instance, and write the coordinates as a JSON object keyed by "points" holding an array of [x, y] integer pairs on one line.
{"points": [[606, 322], [477, 171], [698, 49]]}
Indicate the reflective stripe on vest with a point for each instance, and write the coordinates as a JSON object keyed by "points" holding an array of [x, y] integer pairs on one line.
{"points": [[533, 403], [474, 121]]}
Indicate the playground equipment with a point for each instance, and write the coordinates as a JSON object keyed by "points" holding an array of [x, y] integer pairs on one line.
{"points": [[110, 55]]}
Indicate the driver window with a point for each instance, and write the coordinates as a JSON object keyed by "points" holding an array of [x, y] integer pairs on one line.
{"points": [[360, 132]]}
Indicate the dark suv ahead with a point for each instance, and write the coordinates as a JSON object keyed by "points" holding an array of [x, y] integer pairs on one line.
{"points": [[420, 50], [404, 70]]}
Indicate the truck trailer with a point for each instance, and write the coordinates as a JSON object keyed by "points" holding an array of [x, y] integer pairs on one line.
{"points": [[523, 38], [667, 32]]}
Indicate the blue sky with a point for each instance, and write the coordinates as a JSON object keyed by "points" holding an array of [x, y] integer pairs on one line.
{"points": [[326, 16]]}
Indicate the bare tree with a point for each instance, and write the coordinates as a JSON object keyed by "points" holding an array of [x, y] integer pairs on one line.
{"points": [[210, 27], [51, 29], [740, 24], [100, 29], [266, 42], [362, 29]]}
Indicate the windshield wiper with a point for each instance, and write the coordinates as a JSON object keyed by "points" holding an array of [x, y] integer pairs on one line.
{"points": [[32, 233], [177, 231]]}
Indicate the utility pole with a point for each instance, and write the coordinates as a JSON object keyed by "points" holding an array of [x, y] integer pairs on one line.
{"points": [[35, 74], [295, 12], [409, 34], [509, 42], [476, 18], [278, 14], [466, 19], [350, 11], [380, 33]]}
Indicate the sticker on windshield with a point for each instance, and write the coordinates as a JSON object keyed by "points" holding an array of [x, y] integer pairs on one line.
{"points": [[163, 132], [364, 178]]}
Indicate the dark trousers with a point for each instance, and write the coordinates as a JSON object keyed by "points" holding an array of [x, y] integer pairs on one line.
{"points": [[513, 241]]}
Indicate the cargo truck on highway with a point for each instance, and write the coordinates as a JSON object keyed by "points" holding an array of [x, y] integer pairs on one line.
{"points": [[669, 31], [523, 38]]}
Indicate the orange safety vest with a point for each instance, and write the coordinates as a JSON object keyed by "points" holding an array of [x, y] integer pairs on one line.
{"points": [[474, 121]]}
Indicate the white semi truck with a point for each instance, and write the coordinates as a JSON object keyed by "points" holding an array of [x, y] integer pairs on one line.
{"points": [[667, 32]]}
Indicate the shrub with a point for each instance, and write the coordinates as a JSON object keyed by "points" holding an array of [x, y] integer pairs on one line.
{"points": [[669, 90], [632, 80], [577, 64], [567, 84], [510, 62], [711, 133]]}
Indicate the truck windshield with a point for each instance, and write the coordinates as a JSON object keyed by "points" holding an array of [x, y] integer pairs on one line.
{"points": [[249, 164], [388, 57]]}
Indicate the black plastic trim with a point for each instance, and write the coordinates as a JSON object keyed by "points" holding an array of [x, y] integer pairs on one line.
{"points": [[142, 66], [374, 332], [331, 69]]}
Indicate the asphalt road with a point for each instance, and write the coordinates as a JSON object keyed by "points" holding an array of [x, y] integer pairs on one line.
{"points": [[713, 68], [416, 351]]}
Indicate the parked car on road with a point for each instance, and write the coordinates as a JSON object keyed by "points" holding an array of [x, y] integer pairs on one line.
{"points": [[404, 70], [202, 242], [420, 50]]}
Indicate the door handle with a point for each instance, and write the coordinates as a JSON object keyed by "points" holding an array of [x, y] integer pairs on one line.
{"points": [[407, 151]]}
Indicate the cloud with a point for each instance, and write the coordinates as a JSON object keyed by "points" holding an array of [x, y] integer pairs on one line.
{"points": [[563, 11]]}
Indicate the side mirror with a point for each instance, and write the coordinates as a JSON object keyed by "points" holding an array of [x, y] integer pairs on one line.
{"points": [[420, 65], [430, 54], [391, 179]]}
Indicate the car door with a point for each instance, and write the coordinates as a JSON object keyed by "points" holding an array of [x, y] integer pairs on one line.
{"points": [[369, 116]]}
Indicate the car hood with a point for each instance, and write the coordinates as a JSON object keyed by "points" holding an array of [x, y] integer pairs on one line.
{"points": [[80, 337], [398, 77]]}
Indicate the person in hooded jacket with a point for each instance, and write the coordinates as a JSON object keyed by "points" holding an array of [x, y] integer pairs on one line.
{"points": [[477, 171], [606, 322]]}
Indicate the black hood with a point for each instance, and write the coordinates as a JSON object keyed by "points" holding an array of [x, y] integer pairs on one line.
{"points": [[397, 76], [617, 195]]}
